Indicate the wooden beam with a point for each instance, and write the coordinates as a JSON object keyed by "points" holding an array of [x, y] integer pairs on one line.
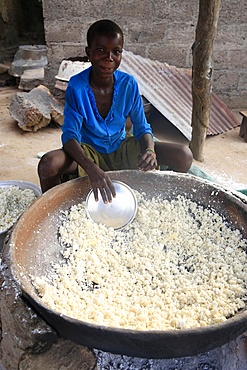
{"points": [[243, 127], [202, 73]]}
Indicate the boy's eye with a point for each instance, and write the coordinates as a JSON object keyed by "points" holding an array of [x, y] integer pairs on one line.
{"points": [[116, 52]]}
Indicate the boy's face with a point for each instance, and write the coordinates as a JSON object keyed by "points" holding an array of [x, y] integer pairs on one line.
{"points": [[105, 53]]}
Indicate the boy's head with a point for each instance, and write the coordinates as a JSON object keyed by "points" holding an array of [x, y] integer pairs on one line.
{"points": [[102, 27]]}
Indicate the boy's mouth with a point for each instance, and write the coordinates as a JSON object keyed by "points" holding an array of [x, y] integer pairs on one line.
{"points": [[107, 69]]}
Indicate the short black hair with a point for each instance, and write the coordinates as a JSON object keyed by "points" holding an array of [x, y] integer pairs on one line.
{"points": [[102, 27]]}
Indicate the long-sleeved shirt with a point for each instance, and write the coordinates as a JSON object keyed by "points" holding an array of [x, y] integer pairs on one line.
{"points": [[83, 122]]}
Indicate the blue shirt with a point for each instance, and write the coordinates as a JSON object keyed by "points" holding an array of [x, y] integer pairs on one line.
{"points": [[83, 122]]}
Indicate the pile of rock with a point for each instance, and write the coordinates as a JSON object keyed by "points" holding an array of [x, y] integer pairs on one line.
{"points": [[36, 109]]}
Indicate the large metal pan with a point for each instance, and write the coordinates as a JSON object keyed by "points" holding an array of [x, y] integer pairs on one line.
{"points": [[34, 245]]}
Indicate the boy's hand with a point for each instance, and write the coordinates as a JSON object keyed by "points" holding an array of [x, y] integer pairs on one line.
{"points": [[100, 181], [147, 161]]}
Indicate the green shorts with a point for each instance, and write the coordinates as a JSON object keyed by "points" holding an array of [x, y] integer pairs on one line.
{"points": [[125, 158]]}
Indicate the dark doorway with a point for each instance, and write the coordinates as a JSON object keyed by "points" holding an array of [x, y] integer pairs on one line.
{"points": [[21, 23]]}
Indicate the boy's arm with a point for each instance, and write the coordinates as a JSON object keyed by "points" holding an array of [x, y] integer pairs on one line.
{"points": [[98, 178], [147, 159]]}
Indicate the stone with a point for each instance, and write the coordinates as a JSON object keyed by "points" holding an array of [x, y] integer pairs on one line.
{"points": [[61, 355], [3, 68], [31, 78], [36, 109], [27, 341]]}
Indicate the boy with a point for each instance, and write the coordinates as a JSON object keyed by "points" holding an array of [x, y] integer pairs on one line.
{"points": [[98, 102]]}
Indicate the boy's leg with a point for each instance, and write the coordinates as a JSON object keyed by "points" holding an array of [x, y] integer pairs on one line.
{"points": [[126, 157], [177, 157], [52, 166]]}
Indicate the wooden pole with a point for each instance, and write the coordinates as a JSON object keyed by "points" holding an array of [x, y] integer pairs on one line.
{"points": [[202, 74]]}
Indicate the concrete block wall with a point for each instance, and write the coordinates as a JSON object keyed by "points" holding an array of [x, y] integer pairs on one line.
{"points": [[163, 30]]}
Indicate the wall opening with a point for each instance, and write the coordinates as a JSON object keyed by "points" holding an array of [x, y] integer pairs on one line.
{"points": [[21, 23]]}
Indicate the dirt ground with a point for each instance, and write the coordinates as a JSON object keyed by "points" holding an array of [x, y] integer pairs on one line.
{"points": [[225, 155]]}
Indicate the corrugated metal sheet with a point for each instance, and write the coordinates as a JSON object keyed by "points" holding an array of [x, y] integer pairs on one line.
{"points": [[168, 89]]}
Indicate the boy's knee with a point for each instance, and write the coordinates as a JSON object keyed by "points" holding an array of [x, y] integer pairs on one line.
{"points": [[45, 165], [187, 158]]}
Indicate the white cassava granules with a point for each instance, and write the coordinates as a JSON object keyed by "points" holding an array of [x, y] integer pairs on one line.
{"points": [[176, 266], [13, 202]]}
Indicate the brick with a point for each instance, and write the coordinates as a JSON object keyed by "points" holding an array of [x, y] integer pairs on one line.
{"points": [[225, 80], [229, 12], [137, 49], [220, 58], [135, 11], [71, 31], [237, 58], [184, 34], [243, 81], [168, 54], [183, 11], [225, 35], [141, 34]]}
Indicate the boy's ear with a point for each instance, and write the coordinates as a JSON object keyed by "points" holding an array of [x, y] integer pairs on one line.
{"points": [[87, 50]]}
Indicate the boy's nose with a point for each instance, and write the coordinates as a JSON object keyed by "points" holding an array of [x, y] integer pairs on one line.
{"points": [[109, 56]]}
